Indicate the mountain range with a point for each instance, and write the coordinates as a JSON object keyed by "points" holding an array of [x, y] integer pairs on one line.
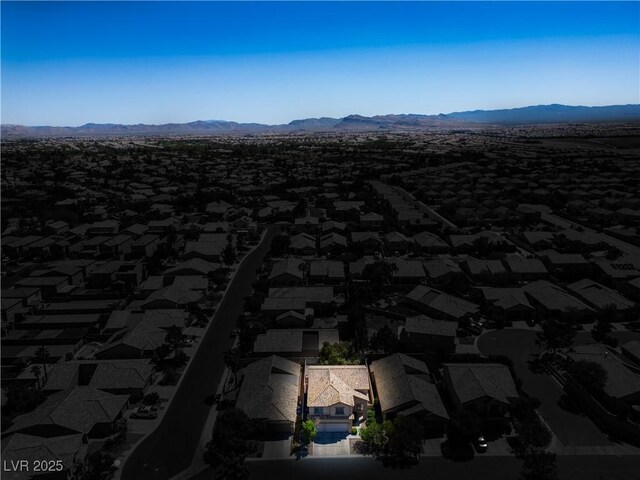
{"points": [[540, 114]]}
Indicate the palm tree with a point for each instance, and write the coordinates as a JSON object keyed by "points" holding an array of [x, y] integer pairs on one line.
{"points": [[36, 370], [43, 357], [232, 360], [304, 268]]}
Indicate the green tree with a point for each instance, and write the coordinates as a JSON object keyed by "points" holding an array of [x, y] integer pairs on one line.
{"points": [[374, 436], [379, 273], [384, 340], [232, 361], [231, 443], [555, 336], [539, 465], [22, 399], [96, 466], [337, 354], [469, 424], [229, 255], [300, 210], [590, 375], [358, 323], [309, 431], [43, 357], [36, 370], [174, 339], [405, 436]]}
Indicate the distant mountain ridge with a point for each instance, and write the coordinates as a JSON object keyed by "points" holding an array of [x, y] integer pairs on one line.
{"points": [[539, 114]]}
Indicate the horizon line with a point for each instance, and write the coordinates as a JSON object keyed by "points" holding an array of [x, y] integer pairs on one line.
{"points": [[321, 116]]}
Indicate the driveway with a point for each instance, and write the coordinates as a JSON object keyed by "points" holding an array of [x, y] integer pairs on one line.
{"points": [[171, 447], [519, 345], [327, 444]]}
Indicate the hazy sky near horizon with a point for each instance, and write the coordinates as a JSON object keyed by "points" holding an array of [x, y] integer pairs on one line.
{"points": [[69, 63]]}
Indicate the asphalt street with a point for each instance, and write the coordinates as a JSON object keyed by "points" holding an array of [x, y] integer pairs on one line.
{"points": [[582, 467], [170, 448]]}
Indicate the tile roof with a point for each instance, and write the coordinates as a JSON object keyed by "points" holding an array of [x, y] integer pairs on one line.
{"points": [[331, 384], [31, 448], [429, 326], [289, 266], [270, 389], [621, 381], [403, 381], [476, 380], [78, 409]]}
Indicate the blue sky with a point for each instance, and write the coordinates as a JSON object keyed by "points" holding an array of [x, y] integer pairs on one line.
{"points": [[155, 62]]}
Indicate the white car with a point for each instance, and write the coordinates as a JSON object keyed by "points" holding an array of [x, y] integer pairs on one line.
{"points": [[145, 412]]}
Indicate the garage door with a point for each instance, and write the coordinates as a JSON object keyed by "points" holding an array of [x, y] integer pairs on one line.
{"points": [[334, 427]]}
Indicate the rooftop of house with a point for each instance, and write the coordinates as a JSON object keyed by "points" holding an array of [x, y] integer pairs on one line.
{"points": [[78, 409], [403, 384], [424, 325], [332, 384], [290, 266], [599, 296], [270, 389], [293, 340], [33, 448], [472, 381], [554, 298], [621, 381]]}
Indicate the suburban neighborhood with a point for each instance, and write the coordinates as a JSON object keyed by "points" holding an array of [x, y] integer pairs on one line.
{"points": [[192, 306]]}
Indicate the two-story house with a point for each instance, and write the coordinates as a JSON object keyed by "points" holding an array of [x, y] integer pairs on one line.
{"points": [[337, 395]]}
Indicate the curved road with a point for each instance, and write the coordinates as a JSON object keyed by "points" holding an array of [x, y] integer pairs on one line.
{"points": [[170, 448]]}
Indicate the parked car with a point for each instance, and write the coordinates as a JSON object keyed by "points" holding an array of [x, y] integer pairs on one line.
{"points": [[145, 412], [481, 444]]}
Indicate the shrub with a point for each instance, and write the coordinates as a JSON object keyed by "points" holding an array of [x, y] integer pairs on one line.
{"points": [[171, 377], [354, 431], [151, 398], [309, 430]]}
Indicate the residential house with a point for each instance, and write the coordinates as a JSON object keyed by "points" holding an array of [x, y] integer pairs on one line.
{"points": [[269, 393], [552, 301], [429, 243], [64, 450], [444, 271], [171, 297], [439, 304], [287, 272], [407, 272], [367, 242], [602, 299], [486, 389], [330, 272], [397, 242], [525, 269], [567, 265], [83, 410], [139, 342], [507, 305], [145, 246], [422, 333], [303, 244], [293, 342], [332, 244], [622, 383], [337, 395], [404, 387]]}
